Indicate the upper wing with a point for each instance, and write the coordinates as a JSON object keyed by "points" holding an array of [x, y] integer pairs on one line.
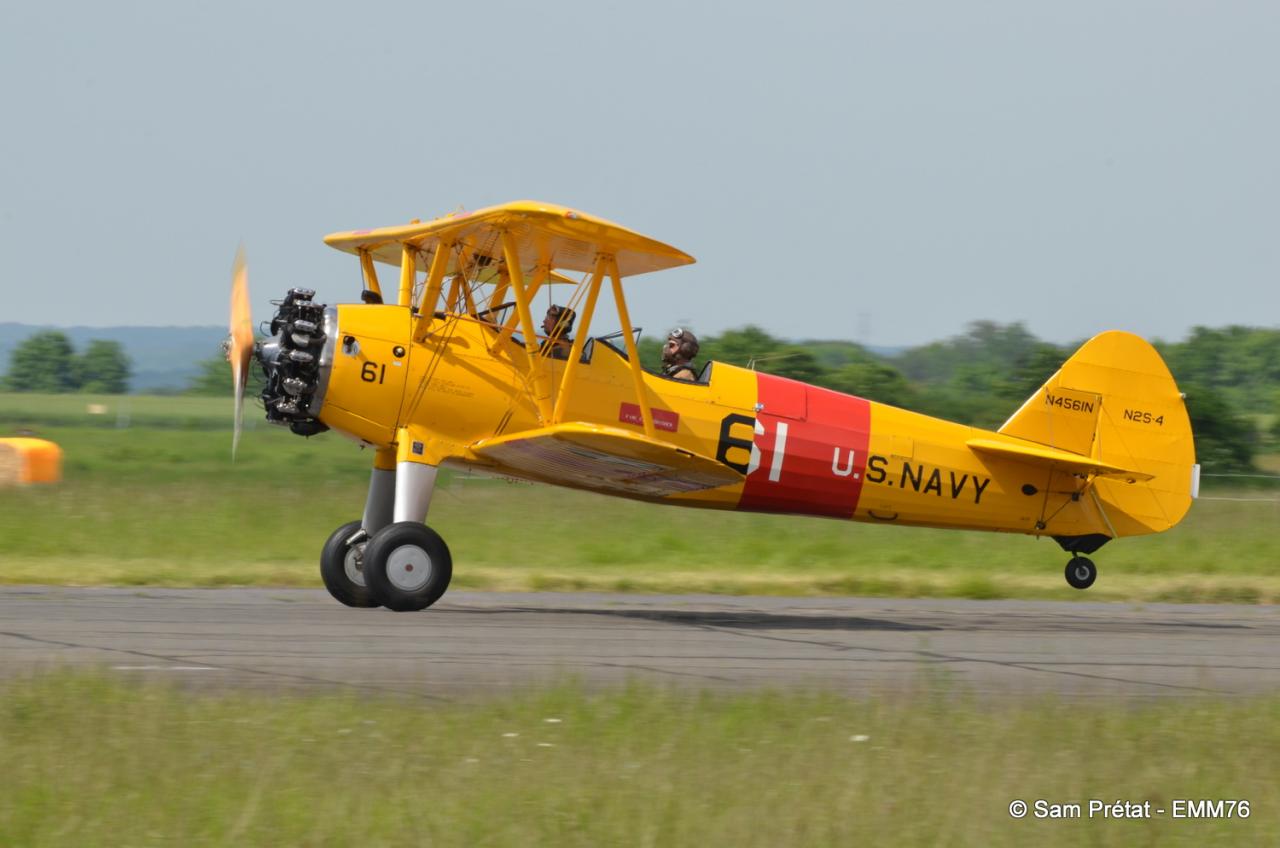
{"points": [[605, 459], [545, 234]]}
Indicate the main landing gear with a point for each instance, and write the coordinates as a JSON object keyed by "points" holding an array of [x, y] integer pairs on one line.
{"points": [[407, 566], [390, 558], [1081, 572]]}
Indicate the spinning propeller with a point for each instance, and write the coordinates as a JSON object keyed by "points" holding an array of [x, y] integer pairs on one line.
{"points": [[240, 345], [293, 359]]}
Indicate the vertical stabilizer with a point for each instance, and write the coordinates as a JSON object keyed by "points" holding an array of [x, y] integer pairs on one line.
{"points": [[1115, 401]]}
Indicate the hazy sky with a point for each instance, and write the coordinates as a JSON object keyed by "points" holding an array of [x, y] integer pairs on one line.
{"points": [[883, 172]]}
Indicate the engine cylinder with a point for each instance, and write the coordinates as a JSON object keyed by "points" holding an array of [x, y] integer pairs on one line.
{"points": [[296, 362]]}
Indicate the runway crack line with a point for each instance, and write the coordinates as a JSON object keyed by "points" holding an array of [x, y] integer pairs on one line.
{"points": [[950, 658], [305, 678]]}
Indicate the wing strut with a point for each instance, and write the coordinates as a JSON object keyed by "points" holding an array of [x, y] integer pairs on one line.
{"points": [[531, 288], [584, 326], [541, 382], [431, 291], [370, 273], [637, 375], [499, 291], [408, 270]]}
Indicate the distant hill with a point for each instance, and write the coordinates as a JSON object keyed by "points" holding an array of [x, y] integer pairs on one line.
{"points": [[163, 357]]}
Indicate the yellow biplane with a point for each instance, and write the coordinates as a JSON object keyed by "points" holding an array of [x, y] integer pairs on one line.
{"points": [[443, 364]]}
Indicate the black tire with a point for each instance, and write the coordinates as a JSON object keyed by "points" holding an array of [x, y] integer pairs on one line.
{"points": [[407, 566], [343, 577], [1081, 572]]}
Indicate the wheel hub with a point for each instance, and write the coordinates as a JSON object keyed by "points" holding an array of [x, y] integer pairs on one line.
{"points": [[353, 564], [408, 568]]}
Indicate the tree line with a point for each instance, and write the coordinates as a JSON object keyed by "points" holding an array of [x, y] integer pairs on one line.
{"points": [[47, 362], [1231, 375]]}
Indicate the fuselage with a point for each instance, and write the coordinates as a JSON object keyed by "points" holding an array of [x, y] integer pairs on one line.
{"points": [[801, 449]]}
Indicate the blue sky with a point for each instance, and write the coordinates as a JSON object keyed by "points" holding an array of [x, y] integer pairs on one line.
{"points": [[878, 172]]}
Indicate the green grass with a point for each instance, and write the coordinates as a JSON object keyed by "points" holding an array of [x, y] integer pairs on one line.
{"points": [[88, 760], [177, 412], [93, 760], [165, 506]]}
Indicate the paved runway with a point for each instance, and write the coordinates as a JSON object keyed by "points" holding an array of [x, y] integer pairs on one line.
{"points": [[474, 643]]}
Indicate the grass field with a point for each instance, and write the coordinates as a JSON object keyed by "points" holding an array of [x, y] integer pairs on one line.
{"points": [[92, 761], [167, 412], [163, 505]]}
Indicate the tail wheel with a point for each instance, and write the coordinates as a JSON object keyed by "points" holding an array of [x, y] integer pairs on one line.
{"points": [[407, 566], [1081, 572], [341, 568]]}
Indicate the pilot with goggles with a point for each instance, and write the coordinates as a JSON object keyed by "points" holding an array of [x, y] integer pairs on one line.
{"points": [[678, 354]]}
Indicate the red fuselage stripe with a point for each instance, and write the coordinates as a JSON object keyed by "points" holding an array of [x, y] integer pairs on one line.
{"points": [[810, 454]]}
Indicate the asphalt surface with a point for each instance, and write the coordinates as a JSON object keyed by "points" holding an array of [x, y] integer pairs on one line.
{"points": [[471, 644]]}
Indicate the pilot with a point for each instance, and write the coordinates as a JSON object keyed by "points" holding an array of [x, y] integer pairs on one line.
{"points": [[678, 354], [556, 326]]}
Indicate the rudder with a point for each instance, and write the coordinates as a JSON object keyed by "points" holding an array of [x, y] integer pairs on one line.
{"points": [[1115, 401]]}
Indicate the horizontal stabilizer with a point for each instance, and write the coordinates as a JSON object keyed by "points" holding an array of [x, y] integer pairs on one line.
{"points": [[1064, 460], [600, 458]]}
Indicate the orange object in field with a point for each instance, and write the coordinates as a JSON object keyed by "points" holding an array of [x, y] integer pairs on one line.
{"points": [[26, 460]]}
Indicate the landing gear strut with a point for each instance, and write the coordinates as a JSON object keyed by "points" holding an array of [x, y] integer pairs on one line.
{"points": [[390, 558], [1081, 572]]}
